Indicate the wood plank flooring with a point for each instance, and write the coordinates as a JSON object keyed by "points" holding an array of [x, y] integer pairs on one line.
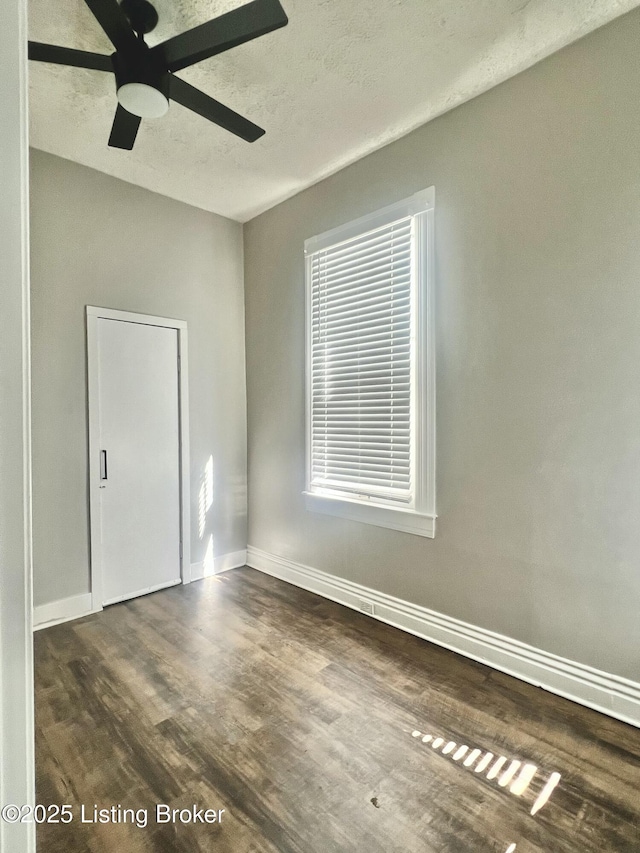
{"points": [[300, 719]]}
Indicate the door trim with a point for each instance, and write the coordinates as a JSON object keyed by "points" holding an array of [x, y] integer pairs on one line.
{"points": [[93, 387], [17, 776]]}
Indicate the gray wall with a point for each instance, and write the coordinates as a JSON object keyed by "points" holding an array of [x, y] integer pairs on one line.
{"points": [[96, 240], [538, 348]]}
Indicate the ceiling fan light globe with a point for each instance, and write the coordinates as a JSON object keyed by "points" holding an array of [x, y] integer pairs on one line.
{"points": [[142, 100]]}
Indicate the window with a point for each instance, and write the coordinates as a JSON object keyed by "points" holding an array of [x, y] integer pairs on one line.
{"points": [[371, 369]]}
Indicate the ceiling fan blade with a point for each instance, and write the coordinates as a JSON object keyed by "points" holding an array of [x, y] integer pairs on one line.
{"points": [[115, 24], [231, 29], [69, 56], [124, 129], [213, 110]]}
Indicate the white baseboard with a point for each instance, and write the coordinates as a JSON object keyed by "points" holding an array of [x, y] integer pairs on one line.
{"points": [[61, 611], [76, 606], [610, 694], [223, 563]]}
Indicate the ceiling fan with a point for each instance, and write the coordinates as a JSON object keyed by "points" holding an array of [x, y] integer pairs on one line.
{"points": [[145, 78]]}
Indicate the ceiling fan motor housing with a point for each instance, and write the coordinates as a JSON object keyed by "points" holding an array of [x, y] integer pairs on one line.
{"points": [[133, 72], [141, 15]]}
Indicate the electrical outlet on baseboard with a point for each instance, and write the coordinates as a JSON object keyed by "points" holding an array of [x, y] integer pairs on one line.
{"points": [[367, 606]]}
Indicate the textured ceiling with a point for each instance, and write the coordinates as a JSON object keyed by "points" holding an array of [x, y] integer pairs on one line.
{"points": [[342, 79]]}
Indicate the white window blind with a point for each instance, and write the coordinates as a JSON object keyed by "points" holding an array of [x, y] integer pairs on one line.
{"points": [[361, 357]]}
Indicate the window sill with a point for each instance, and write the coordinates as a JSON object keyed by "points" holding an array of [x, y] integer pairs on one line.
{"points": [[381, 516]]}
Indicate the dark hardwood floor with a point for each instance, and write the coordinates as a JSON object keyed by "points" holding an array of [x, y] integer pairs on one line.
{"points": [[300, 718]]}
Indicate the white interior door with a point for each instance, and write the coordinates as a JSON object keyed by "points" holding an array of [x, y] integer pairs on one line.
{"points": [[139, 458]]}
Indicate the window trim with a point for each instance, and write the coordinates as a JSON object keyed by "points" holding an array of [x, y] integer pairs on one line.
{"points": [[420, 517]]}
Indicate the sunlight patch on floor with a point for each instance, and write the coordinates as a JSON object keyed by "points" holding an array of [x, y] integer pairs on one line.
{"points": [[516, 776]]}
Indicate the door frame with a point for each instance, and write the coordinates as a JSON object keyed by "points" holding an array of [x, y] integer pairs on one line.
{"points": [[17, 768], [94, 314]]}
